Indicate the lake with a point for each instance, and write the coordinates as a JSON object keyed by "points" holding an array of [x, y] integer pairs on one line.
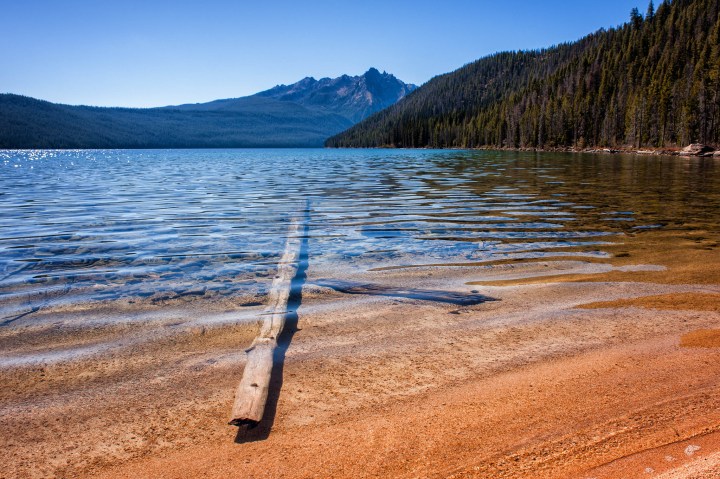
{"points": [[152, 226]]}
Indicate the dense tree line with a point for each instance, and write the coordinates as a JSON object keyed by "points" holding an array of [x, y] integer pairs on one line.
{"points": [[654, 81]]}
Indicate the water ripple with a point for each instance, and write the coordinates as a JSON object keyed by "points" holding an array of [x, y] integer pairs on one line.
{"points": [[86, 226]]}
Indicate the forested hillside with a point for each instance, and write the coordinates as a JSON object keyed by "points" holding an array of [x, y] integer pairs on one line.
{"points": [[30, 123], [652, 82]]}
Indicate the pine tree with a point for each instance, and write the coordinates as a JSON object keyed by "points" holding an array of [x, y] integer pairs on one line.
{"points": [[635, 18], [650, 12]]}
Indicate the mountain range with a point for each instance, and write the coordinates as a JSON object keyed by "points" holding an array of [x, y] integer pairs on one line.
{"points": [[354, 98], [303, 114], [651, 82]]}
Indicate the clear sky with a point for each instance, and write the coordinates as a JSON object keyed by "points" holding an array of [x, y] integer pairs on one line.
{"points": [[161, 52]]}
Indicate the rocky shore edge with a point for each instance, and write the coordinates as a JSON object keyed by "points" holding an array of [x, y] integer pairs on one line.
{"points": [[693, 150]]}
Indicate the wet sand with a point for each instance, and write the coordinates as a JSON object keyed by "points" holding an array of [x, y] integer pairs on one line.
{"points": [[600, 369]]}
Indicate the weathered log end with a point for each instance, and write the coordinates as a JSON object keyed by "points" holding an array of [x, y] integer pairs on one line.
{"points": [[243, 422], [252, 392]]}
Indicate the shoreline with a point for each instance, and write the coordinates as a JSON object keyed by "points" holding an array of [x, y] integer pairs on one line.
{"points": [[619, 150], [676, 151], [547, 380]]}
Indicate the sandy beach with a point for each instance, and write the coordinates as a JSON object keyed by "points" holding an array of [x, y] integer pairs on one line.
{"points": [[588, 369]]}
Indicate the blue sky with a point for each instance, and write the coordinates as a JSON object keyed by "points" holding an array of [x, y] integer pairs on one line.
{"points": [[153, 53]]}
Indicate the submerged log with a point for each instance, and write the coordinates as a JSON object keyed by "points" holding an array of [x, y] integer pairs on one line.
{"points": [[252, 393]]}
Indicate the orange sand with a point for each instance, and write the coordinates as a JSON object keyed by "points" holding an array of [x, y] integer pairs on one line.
{"points": [[675, 301], [703, 338]]}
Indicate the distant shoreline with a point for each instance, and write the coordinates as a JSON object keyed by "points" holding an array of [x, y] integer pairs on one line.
{"points": [[675, 151], [612, 151]]}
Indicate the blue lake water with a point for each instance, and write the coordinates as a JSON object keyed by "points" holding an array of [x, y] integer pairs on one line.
{"points": [[99, 226]]}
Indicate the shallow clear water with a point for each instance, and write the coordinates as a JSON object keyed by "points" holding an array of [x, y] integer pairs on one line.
{"points": [[79, 226]]}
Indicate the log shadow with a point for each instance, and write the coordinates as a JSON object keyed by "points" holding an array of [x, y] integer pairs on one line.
{"points": [[440, 296], [261, 431]]}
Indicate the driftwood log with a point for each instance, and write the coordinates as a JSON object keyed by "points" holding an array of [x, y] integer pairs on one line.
{"points": [[251, 395]]}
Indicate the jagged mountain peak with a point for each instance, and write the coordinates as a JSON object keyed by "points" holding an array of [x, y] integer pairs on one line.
{"points": [[354, 97]]}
